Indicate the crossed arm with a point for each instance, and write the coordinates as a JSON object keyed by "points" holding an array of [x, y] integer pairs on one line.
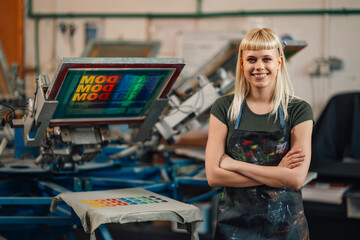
{"points": [[222, 170]]}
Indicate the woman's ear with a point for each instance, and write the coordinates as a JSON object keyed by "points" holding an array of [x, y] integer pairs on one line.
{"points": [[280, 61], [241, 63]]}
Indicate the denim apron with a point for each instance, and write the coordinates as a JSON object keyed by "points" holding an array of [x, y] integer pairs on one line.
{"points": [[260, 212]]}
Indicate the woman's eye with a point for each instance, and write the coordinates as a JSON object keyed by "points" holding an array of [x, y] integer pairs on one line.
{"points": [[267, 59], [251, 60]]}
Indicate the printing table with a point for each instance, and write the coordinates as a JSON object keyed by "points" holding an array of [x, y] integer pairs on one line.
{"points": [[128, 205]]}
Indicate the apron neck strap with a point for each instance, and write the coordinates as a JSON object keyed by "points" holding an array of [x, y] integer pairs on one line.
{"points": [[239, 116], [281, 116]]}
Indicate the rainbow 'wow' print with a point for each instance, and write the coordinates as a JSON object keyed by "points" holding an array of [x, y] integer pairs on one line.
{"points": [[126, 201]]}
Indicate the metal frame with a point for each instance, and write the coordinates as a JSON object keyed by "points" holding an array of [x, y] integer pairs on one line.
{"points": [[37, 119], [32, 212], [154, 47], [95, 64], [13, 195]]}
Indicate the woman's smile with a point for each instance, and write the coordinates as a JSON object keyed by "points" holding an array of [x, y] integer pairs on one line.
{"points": [[259, 75]]}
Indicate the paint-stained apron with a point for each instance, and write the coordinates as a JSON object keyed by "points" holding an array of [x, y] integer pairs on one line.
{"points": [[260, 212]]}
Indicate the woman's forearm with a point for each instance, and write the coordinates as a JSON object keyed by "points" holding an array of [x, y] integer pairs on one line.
{"points": [[273, 176], [215, 149], [225, 178], [293, 168]]}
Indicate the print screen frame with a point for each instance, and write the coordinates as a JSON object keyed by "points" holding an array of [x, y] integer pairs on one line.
{"points": [[108, 93]]}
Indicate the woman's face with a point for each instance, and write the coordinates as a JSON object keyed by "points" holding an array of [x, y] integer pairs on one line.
{"points": [[261, 67]]}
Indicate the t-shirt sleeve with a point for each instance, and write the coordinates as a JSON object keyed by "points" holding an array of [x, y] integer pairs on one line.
{"points": [[220, 108], [301, 111]]}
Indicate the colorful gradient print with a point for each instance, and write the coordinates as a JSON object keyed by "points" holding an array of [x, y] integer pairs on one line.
{"points": [[109, 93], [124, 201]]}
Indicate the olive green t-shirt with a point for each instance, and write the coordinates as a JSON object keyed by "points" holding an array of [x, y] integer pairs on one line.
{"points": [[299, 111]]}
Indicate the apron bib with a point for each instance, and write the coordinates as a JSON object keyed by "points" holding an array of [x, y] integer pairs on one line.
{"points": [[260, 212]]}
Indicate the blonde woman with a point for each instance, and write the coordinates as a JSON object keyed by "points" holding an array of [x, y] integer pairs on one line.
{"points": [[259, 147]]}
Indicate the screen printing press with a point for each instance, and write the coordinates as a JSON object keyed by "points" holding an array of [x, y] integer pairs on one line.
{"points": [[69, 120]]}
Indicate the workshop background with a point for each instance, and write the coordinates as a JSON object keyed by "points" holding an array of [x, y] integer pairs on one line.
{"points": [[35, 40], [37, 34]]}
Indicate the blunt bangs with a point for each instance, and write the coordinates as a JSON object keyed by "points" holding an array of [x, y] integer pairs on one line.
{"points": [[260, 39]]}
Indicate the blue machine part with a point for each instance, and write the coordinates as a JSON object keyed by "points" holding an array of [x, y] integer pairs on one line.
{"points": [[20, 149]]}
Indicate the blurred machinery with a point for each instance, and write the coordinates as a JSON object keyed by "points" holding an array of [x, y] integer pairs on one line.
{"points": [[68, 121], [12, 96], [69, 117], [11, 87], [192, 97]]}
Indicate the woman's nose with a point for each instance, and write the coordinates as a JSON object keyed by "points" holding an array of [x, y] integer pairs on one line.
{"points": [[259, 65]]}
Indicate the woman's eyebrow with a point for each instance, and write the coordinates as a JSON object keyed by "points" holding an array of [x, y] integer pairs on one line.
{"points": [[251, 56]]}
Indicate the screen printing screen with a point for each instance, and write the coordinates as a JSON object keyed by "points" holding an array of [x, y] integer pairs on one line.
{"points": [[101, 93], [120, 48], [291, 47]]}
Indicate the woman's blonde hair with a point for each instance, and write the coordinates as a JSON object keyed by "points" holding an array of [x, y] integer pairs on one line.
{"points": [[262, 39]]}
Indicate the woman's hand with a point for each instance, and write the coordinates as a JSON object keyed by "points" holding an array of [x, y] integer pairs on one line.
{"points": [[292, 159]]}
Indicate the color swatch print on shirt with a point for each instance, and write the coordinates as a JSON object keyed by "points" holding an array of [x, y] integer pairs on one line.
{"points": [[125, 201]]}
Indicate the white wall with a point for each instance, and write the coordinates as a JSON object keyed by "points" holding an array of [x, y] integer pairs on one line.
{"points": [[327, 36]]}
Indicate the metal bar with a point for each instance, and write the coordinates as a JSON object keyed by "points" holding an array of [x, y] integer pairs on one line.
{"points": [[183, 162], [186, 181], [52, 187], [25, 200], [204, 196], [36, 220], [104, 232], [197, 171], [37, 51], [136, 173], [146, 128], [191, 181], [116, 180], [123, 171], [197, 15], [158, 187], [61, 211], [120, 183]]}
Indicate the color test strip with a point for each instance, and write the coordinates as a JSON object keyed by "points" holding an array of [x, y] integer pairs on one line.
{"points": [[113, 202]]}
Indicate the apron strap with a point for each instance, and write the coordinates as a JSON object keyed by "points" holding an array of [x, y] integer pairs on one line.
{"points": [[281, 116], [239, 116]]}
